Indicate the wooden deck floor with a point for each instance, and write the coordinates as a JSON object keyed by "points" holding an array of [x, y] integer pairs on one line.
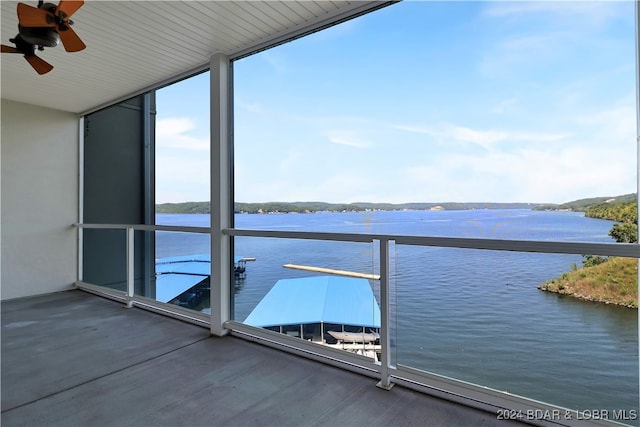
{"points": [[75, 359]]}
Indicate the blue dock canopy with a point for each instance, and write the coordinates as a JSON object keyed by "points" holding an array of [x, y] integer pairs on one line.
{"points": [[327, 299], [178, 274], [169, 286]]}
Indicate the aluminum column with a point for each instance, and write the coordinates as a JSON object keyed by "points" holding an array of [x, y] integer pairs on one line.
{"points": [[221, 192]]}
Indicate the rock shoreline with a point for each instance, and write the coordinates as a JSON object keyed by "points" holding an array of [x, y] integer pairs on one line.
{"points": [[549, 287]]}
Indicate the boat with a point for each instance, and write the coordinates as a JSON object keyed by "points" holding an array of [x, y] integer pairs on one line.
{"points": [[355, 337]]}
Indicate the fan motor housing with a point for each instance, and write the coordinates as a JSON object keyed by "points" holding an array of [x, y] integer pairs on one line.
{"points": [[50, 7], [41, 36]]}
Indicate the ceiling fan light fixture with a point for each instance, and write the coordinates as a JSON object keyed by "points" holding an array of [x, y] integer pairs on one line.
{"points": [[41, 36]]}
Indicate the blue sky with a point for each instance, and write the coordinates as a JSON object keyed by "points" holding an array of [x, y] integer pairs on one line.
{"points": [[424, 102]]}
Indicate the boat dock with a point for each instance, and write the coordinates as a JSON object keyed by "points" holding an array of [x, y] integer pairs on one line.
{"points": [[185, 280], [329, 310]]}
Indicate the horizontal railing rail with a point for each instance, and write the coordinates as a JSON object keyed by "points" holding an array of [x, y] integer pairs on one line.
{"points": [[146, 227], [630, 250]]}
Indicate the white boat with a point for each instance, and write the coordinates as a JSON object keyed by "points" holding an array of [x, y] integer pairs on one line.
{"points": [[360, 337]]}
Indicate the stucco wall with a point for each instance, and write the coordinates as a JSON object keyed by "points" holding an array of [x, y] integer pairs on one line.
{"points": [[39, 199]]}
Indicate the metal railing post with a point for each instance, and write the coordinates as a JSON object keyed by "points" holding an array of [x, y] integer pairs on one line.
{"points": [[130, 266], [385, 339], [221, 177]]}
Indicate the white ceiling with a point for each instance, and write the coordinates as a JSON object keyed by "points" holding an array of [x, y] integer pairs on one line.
{"points": [[135, 45]]}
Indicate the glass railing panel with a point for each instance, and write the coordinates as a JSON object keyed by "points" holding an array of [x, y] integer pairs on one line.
{"points": [[175, 244], [175, 268], [104, 258], [321, 291], [479, 316]]}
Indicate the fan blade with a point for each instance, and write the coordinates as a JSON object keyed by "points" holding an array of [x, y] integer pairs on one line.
{"points": [[69, 7], [9, 49], [40, 65], [29, 16], [70, 40]]}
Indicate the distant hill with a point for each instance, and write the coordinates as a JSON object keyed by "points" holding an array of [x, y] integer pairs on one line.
{"points": [[445, 206], [581, 205], [186, 207], [308, 207], [626, 212]]}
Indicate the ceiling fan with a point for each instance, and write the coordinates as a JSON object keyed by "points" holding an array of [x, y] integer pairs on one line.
{"points": [[45, 25]]}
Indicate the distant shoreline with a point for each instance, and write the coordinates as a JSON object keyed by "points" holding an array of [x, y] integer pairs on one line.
{"points": [[315, 207]]}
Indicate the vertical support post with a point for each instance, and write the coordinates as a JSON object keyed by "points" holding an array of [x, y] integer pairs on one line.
{"points": [[221, 192], [385, 339], [80, 247], [148, 288], [130, 266]]}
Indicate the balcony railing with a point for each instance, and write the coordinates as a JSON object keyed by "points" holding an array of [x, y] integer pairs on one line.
{"points": [[392, 367]]}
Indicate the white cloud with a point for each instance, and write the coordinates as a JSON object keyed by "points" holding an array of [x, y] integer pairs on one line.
{"points": [[253, 107], [447, 133], [526, 43], [534, 35], [531, 175], [518, 54], [174, 126], [504, 106], [174, 133], [615, 124], [485, 139], [565, 159], [182, 162], [348, 138], [182, 177], [416, 129], [276, 61], [579, 14], [595, 155]]}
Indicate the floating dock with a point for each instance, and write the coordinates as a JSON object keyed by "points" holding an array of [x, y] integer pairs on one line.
{"points": [[185, 280]]}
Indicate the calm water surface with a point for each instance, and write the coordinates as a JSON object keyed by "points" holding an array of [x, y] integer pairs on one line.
{"points": [[469, 314]]}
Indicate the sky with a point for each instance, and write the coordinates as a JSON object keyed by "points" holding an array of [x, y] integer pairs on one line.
{"points": [[424, 101]]}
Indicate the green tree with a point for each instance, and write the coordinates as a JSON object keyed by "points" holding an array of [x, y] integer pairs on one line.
{"points": [[624, 233], [591, 260]]}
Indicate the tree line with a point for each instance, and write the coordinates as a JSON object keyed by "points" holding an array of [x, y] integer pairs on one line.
{"points": [[581, 205], [626, 213], [308, 207]]}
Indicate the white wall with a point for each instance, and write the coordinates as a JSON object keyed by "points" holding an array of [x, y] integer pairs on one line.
{"points": [[39, 199]]}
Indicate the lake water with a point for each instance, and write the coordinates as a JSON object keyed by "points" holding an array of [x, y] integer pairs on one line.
{"points": [[468, 314]]}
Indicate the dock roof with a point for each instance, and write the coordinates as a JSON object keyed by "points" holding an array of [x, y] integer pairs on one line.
{"points": [[327, 299], [177, 274]]}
